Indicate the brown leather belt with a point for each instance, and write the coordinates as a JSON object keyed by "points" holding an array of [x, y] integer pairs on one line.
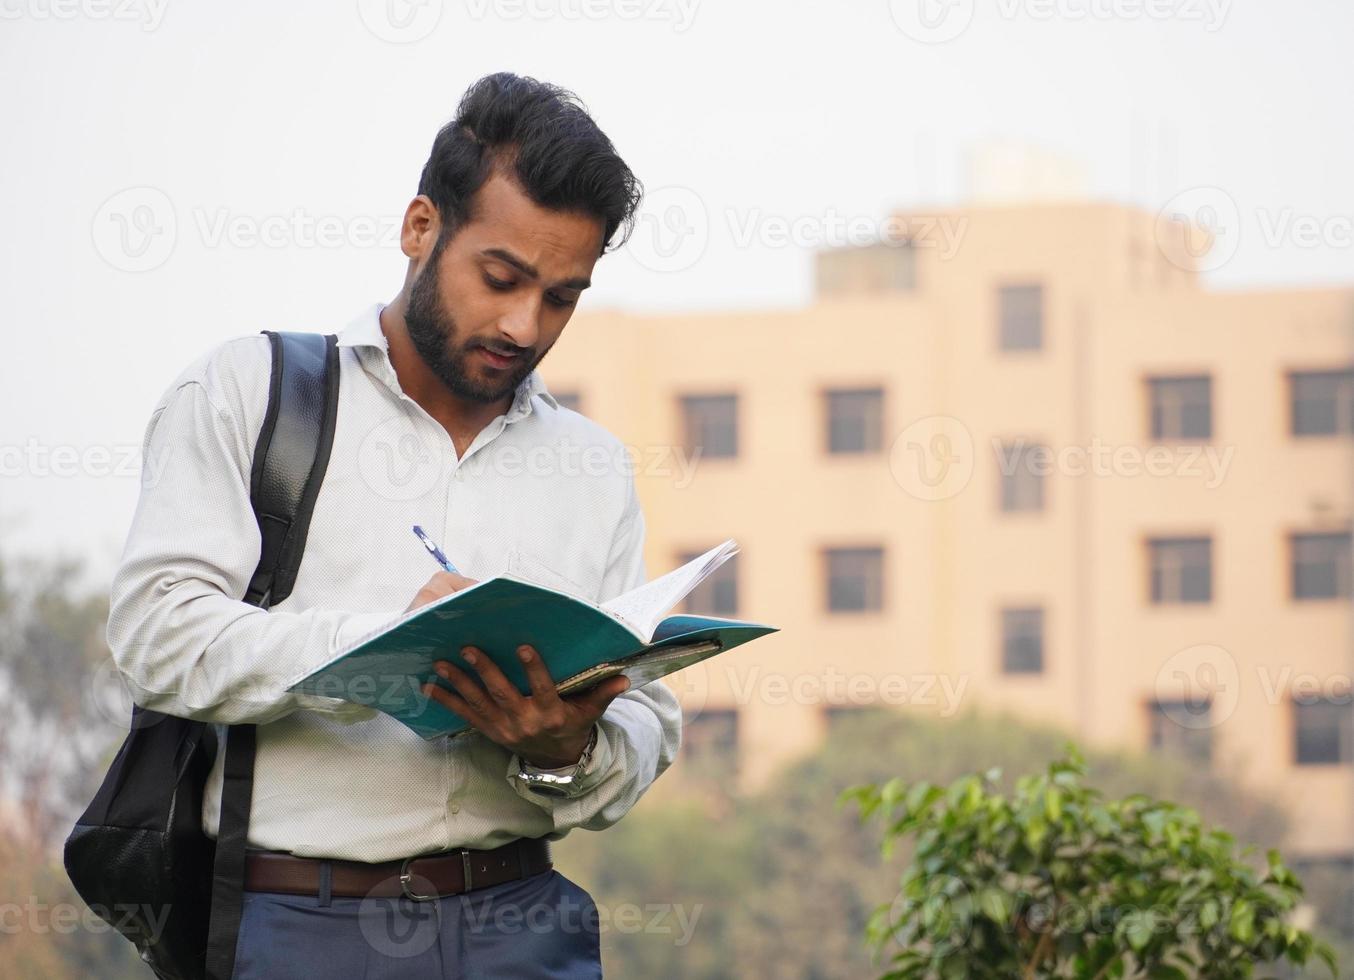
{"points": [[423, 876]]}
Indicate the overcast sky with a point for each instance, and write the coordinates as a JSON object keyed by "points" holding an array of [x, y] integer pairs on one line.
{"points": [[175, 174]]}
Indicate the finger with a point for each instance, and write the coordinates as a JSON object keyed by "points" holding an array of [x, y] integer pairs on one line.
{"points": [[499, 687], [594, 702], [455, 703], [543, 687], [466, 687]]}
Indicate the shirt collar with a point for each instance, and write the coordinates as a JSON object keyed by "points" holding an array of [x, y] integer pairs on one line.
{"points": [[365, 331]]}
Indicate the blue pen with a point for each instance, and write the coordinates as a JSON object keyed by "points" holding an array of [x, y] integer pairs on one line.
{"points": [[435, 551]]}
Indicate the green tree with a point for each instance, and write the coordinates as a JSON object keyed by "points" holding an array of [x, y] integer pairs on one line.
{"points": [[57, 690], [1056, 880], [786, 880], [62, 715]]}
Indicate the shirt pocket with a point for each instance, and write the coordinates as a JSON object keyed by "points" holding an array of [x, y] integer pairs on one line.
{"points": [[530, 567]]}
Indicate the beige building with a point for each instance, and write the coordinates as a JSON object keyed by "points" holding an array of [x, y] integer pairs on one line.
{"points": [[1022, 460]]}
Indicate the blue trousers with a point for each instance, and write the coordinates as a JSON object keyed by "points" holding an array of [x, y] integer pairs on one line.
{"points": [[543, 926]]}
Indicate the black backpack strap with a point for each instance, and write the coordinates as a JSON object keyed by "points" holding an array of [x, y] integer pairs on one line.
{"points": [[290, 458]]}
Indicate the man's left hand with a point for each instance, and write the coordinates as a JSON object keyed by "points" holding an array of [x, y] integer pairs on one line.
{"points": [[548, 731]]}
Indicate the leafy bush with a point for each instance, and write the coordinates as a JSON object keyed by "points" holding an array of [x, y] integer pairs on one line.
{"points": [[1055, 880], [782, 882]]}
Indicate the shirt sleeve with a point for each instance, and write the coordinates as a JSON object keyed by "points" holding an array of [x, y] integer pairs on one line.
{"points": [[640, 731], [180, 634]]}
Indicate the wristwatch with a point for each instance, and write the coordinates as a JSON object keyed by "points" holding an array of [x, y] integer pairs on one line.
{"points": [[557, 782]]}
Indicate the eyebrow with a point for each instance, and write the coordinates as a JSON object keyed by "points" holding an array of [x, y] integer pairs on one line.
{"points": [[526, 268]]}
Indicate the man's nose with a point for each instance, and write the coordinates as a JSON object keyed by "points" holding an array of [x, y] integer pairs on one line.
{"points": [[519, 326]]}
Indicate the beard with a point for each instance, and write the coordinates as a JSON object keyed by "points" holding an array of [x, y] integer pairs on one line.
{"points": [[432, 330]]}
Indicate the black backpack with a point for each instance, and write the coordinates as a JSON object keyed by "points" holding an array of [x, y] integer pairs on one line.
{"points": [[138, 854]]}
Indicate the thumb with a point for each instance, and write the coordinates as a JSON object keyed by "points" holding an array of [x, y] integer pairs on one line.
{"points": [[604, 693]]}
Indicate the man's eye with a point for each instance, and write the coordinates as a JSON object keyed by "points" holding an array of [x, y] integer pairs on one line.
{"points": [[561, 302], [497, 283]]}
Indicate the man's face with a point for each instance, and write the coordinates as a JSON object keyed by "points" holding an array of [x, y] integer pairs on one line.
{"points": [[505, 284]]}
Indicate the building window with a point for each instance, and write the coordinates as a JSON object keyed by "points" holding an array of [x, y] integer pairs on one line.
{"points": [[1328, 884], [1321, 730], [1182, 569], [718, 594], [710, 425], [1022, 641], [569, 399], [1183, 729], [840, 715], [1021, 317], [1321, 566], [855, 420], [1022, 467], [1322, 402], [1182, 408], [709, 747], [855, 579]]}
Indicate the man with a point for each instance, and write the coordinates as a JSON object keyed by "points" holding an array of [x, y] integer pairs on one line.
{"points": [[443, 421]]}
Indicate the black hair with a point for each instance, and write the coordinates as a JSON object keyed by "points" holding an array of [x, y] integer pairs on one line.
{"points": [[540, 135]]}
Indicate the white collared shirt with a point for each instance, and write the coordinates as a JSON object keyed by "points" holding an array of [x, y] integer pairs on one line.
{"points": [[541, 491]]}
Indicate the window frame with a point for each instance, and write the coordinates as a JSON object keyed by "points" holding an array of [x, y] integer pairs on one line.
{"points": [[1003, 335], [1004, 662], [685, 401], [826, 554], [1158, 382], [1151, 542], [826, 396], [1344, 730], [1343, 396], [1344, 570]]}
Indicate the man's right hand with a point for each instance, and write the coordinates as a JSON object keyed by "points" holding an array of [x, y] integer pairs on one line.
{"points": [[443, 583]]}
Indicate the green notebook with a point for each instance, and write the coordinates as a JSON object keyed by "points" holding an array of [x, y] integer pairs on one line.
{"points": [[581, 642]]}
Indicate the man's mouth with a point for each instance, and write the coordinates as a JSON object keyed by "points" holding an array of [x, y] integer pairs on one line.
{"points": [[496, 359]]}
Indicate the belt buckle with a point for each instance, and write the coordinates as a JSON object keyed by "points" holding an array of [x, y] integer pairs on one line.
{"points": [[407, 876]]}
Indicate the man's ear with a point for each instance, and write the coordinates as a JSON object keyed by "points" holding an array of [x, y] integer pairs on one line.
{"points": [[422, 225]]}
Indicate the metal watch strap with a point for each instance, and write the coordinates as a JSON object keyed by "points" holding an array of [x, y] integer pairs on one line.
{"points": [[558, 784]]}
